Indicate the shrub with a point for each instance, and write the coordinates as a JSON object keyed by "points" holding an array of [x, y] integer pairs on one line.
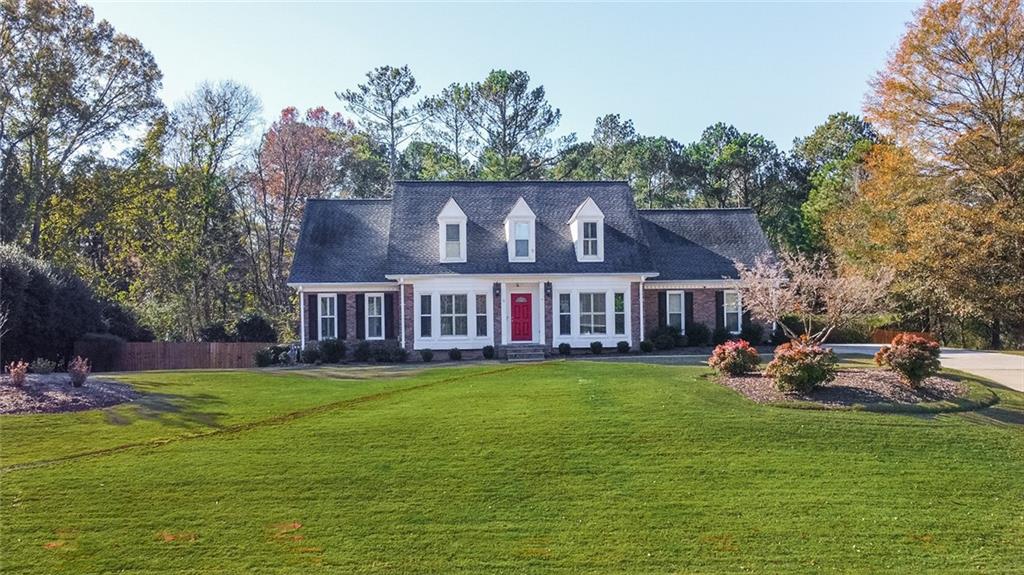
{"points": [[646, 346], [698, 334], [596, 347], [79, 370], [102, 349], [124, 323], [564, 349], [254, 327], [311, 353], [387, 352], [752, 332], [362, 351], [18, 371], [265, 357], [42, 365], [800, 366], [622, 347], [488, 352], [216, 331], [427, 355], [734, 358], [331, 350], [664, 342], [669, 336], [455, 354], [720, 336], [913, 357], [400, 355]]}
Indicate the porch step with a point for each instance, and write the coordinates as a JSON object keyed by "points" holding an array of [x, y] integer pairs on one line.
{"points": [[524, 353]]}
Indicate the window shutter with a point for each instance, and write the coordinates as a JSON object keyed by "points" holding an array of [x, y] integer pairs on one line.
{"points": [[719, 310], [746, 321], [360, 316], [342, 317], [662, 307], [389, 316], [688, 309], [312, 316]]}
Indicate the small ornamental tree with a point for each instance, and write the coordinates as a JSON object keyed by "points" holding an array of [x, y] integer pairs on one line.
{"points": [[913, 357], [812, 290], [734, 358]]}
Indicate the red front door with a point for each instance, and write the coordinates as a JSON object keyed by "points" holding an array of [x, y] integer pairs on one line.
{"points": [[522, 317]]}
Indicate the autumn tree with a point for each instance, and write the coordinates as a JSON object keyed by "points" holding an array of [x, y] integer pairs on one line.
{"points": [[67, 84], [383, 108], [951, 101]]}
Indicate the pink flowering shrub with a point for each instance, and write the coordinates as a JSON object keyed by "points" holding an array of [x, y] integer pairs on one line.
{"points": [[734, 358], [913, 357], [79, 369], [17, 370], [799, 366]]}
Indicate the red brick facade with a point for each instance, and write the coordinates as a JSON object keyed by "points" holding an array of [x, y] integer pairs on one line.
{"points": [[549, 326], [634, 313], [410, 317]]}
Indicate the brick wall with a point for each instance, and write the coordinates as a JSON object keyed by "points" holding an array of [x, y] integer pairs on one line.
{"points": [[350, 317], [703, 308], [410, 317], [549, 328], [496, 314], [650, 311], [634, 313]]}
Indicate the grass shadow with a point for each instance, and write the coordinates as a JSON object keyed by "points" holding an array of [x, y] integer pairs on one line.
{"points": [[172, 410]]}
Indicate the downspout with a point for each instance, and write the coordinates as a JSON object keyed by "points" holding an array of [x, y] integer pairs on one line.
{"points": [[401, 306], [640, 294], [302, 319]]}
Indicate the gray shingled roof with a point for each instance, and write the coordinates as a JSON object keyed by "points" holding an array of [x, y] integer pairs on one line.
{"points": [[342, 241], [414, 227], [702, 243]]}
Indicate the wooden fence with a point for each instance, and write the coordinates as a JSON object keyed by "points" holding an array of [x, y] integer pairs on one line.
{"points": [[886, 335], [141, 356]]}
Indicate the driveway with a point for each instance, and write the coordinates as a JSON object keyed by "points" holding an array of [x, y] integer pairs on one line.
{"points": [[1002, 368]]}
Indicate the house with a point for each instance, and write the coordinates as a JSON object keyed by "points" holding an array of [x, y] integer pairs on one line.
{"points": [[535, 264]]}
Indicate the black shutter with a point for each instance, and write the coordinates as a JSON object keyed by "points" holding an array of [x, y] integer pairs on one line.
{"points": [[312, 316], [662, 319], [719, 310], [389, 316], [688, 303], [342, 317], [360, 315], [746, 321]]}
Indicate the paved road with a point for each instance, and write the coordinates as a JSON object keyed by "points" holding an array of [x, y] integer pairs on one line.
{"points": [[1002, 368]]}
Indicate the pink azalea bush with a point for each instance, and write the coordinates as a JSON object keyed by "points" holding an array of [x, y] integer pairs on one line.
{"points": [[734, 358], [17, 370], [800, 366], [913, 357], [79, 369]]}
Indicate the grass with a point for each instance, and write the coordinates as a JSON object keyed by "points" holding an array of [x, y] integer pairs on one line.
{"points": [[580, 467]]}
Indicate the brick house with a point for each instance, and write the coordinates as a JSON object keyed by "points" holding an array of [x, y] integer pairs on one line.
{"points": [[516, 265]]}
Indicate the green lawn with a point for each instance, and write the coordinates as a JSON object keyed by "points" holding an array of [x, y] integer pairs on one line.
{"points": [[573, 467]]}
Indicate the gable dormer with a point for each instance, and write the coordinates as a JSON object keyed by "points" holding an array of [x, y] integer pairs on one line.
{"points": [[587, 229], [451, 233], [521, 233]]}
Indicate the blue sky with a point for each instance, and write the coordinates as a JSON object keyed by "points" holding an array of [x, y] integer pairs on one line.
{"points": [[774, 69]]}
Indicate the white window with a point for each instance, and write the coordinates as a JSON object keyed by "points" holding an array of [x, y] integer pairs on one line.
{"points": [[452, 241], [620, 313], [675, 315], [481, 315], [375, 316], [454, 315], [522, 239], [425, 317], [590, 239], [519, 232], [451, 233], [733, 311], [328, 316], [564, 314], [593, 318]]}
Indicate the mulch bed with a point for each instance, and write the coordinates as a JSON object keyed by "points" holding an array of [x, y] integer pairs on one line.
{"points": [[53, 393], [850, 387]]}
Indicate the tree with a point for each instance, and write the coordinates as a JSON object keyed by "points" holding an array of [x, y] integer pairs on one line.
{"points": [[448, 125], [380, 106], [67, 84], [811, 289], [514, 123], [951, 101]]}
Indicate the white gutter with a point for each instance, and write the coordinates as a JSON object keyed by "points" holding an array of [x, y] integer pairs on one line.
{"points": [[401, 305], [518, 277], [302, 320], [640, 294]]}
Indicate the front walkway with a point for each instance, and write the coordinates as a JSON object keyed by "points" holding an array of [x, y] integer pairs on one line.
{"points": [[1002, 368]]}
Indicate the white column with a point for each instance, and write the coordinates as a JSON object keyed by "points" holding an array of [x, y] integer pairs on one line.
{"points": [[302, 319]]}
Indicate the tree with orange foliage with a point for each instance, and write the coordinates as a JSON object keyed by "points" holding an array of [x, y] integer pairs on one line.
{"points": [[944, 201]]}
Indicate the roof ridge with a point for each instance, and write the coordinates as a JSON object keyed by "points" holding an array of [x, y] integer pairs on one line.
{"points": [[368, 200], [730, 209]]}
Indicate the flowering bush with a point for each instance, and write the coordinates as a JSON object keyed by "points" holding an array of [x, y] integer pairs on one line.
{"points": [[734, 358], [800, 366], [913, 357], [17, 370], [42, 365], [79, 369]]}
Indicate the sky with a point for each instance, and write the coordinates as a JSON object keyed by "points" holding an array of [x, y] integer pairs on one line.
{"points": [[777, 69]]}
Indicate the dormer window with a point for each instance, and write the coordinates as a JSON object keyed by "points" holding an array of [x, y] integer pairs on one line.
{"points": [[587, 229], [451, 233], [520, 231]]}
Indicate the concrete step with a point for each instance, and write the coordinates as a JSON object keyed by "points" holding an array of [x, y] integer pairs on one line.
{"points": [[522, 356]]}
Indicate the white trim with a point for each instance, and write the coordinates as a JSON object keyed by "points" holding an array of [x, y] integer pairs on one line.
{"points": [[320, 317], [366, 317], [302, 320], [401, 307], [690, 284], [640, 295], [587, 213], [451, 214], [682, 310], [433, 290], [346, 287], [739, 311], [521, 214], [608, 286], [523, 278]]}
